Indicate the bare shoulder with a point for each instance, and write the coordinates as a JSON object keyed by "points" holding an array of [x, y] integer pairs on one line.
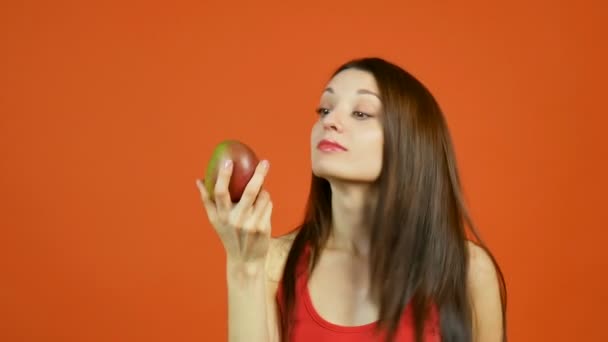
{"points": [[277, 255], [484, 290], [480, 264]]}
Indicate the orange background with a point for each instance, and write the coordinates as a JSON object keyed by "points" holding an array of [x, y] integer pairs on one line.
{"points": [[110, 109]]}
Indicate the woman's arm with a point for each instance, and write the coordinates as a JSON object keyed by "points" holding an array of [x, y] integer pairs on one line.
{"points": [[250, 312], [244, 228], [485, 297]]}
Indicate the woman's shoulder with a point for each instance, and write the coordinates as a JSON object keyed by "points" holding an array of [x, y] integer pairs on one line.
{"points": [[482, 271], [481, 264], [485, 293], [277, 255]]}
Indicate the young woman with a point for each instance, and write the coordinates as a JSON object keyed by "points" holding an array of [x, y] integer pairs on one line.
{"points": [[383, 252]]}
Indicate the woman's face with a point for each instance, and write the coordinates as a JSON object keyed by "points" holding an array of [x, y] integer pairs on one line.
{"points": [[349, 112]]}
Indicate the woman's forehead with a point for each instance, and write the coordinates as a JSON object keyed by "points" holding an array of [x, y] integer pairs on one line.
{"points": [[351, 80]]}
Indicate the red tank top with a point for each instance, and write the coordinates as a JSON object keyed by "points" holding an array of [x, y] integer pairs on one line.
{"points": [[310, 326]]}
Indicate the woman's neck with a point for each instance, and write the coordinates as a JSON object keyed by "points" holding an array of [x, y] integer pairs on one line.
{"points": [[349, 233]]}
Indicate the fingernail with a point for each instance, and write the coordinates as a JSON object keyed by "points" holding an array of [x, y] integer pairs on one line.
{"points": [[228, 163], [265, 164]]}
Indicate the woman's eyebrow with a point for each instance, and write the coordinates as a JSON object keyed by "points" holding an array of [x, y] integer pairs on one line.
{"points": [[360, 91]]}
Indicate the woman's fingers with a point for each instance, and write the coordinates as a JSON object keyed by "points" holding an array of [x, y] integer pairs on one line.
{"points": [[254, 216], [207, 202], [221, 194], [253, 187], [265, 223], [243, 227]]}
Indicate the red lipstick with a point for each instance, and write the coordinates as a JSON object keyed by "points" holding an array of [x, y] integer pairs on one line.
{"points": [[330, 146]]}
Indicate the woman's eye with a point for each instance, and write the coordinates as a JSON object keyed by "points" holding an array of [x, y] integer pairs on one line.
{"points": [[358, 115], [322, 111], [361, 115]]}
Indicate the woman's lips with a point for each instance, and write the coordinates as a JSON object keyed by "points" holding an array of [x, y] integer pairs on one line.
{"points": [[330, 146]]}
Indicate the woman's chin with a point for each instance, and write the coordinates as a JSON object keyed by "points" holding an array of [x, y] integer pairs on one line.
{"points": [[341, 178]]}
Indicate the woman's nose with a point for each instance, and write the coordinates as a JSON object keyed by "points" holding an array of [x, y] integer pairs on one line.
{"points": [[332, 121]]}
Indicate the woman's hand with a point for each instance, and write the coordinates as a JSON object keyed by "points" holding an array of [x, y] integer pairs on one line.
{"points": [[243, 227]]}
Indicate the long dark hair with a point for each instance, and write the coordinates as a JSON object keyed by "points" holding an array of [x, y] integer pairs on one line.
{"points": [[418, 252]]}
